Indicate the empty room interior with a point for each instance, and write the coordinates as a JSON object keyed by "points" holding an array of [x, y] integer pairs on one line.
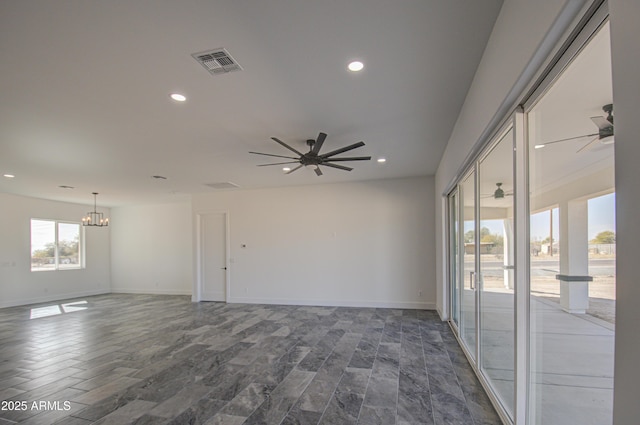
{"points": [[338, 212]]}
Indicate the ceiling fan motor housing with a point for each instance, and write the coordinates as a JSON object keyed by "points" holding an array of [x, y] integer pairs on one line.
{"points": [[499, 193], [313, 157], [310, 159]]}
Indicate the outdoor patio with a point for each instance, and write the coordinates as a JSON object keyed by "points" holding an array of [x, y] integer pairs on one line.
{"points": [[572, 354]]}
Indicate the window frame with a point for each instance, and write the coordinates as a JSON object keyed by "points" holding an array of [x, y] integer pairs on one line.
{"points": [[56, 264]]}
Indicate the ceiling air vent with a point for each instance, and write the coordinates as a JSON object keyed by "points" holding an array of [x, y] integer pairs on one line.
{"points": [[217, 61], [222, 185]]}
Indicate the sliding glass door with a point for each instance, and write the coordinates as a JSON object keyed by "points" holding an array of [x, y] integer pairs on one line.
{"points": [[532, 247], [454, 257], [572, 248], [482, 248], [468, 307], [496, 261]]}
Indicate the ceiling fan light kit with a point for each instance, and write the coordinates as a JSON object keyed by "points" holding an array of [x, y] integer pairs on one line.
{"points": [[313, 159]]}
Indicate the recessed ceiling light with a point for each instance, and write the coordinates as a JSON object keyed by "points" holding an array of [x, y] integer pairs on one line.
{"points": [[159, 177], [285, 169], [381, 160], [178, 97], [356, 66], [64, 186], [9, 176]]}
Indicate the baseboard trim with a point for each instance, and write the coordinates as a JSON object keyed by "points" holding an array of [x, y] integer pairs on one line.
{"points": [[53, 298], [410, 305], [148, 292]]}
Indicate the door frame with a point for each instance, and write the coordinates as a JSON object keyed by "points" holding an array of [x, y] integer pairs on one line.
{"points": [[199, 263]]}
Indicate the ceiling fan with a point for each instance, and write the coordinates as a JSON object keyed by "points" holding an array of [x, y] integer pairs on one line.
{"points": [[313, 158], [604, 135], [499, 193]]}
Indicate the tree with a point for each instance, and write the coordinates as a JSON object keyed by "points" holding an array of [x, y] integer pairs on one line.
{"points": [[65, 249], [497, 240], [604, 237], [468, 236], [47, 252], [68, 248], [484, 232]]}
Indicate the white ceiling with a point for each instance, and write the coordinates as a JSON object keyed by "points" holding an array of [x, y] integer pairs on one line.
{"points": [[84, 91], [563, 111]]}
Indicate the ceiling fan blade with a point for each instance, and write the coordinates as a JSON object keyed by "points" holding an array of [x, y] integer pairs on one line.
{"points": [[589, 145], [351, 158], [345, 149], [340, 167], [567, 139], [318, 171], [286, 146], [278, 163], [297, 168], [318, 144], [268, 154], [601, 122]]}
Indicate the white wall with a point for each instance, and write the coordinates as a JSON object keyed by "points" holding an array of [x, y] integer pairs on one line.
{"points": [[625, 53], [359, 244], [151, 249], [521, 38], [18, 284]]}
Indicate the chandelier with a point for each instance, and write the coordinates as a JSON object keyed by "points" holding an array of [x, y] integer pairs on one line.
{"points": [[94, 218]]}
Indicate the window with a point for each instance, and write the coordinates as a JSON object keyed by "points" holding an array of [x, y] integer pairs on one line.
{"points": [[55, 245]]}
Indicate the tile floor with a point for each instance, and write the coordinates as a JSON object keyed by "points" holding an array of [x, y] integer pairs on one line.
{"points": [[143, 359]]}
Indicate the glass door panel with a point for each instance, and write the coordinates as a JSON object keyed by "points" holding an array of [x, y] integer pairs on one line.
{"points": [[496, 258], [454, 257], [468, 253], [572, 275]]}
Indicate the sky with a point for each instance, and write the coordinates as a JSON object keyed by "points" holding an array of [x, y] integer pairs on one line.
{"points": [[601, 218], [602, 214]]}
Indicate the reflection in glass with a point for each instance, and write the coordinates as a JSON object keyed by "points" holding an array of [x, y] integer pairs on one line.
{"points": [[571, 345], [468, 293], [454, 257], [497, 309]]}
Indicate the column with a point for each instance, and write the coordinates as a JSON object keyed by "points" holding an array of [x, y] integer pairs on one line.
{"points": [[574, 256]]}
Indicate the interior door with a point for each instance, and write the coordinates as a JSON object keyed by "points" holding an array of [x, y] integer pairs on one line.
{"points": [[213, 256]]}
